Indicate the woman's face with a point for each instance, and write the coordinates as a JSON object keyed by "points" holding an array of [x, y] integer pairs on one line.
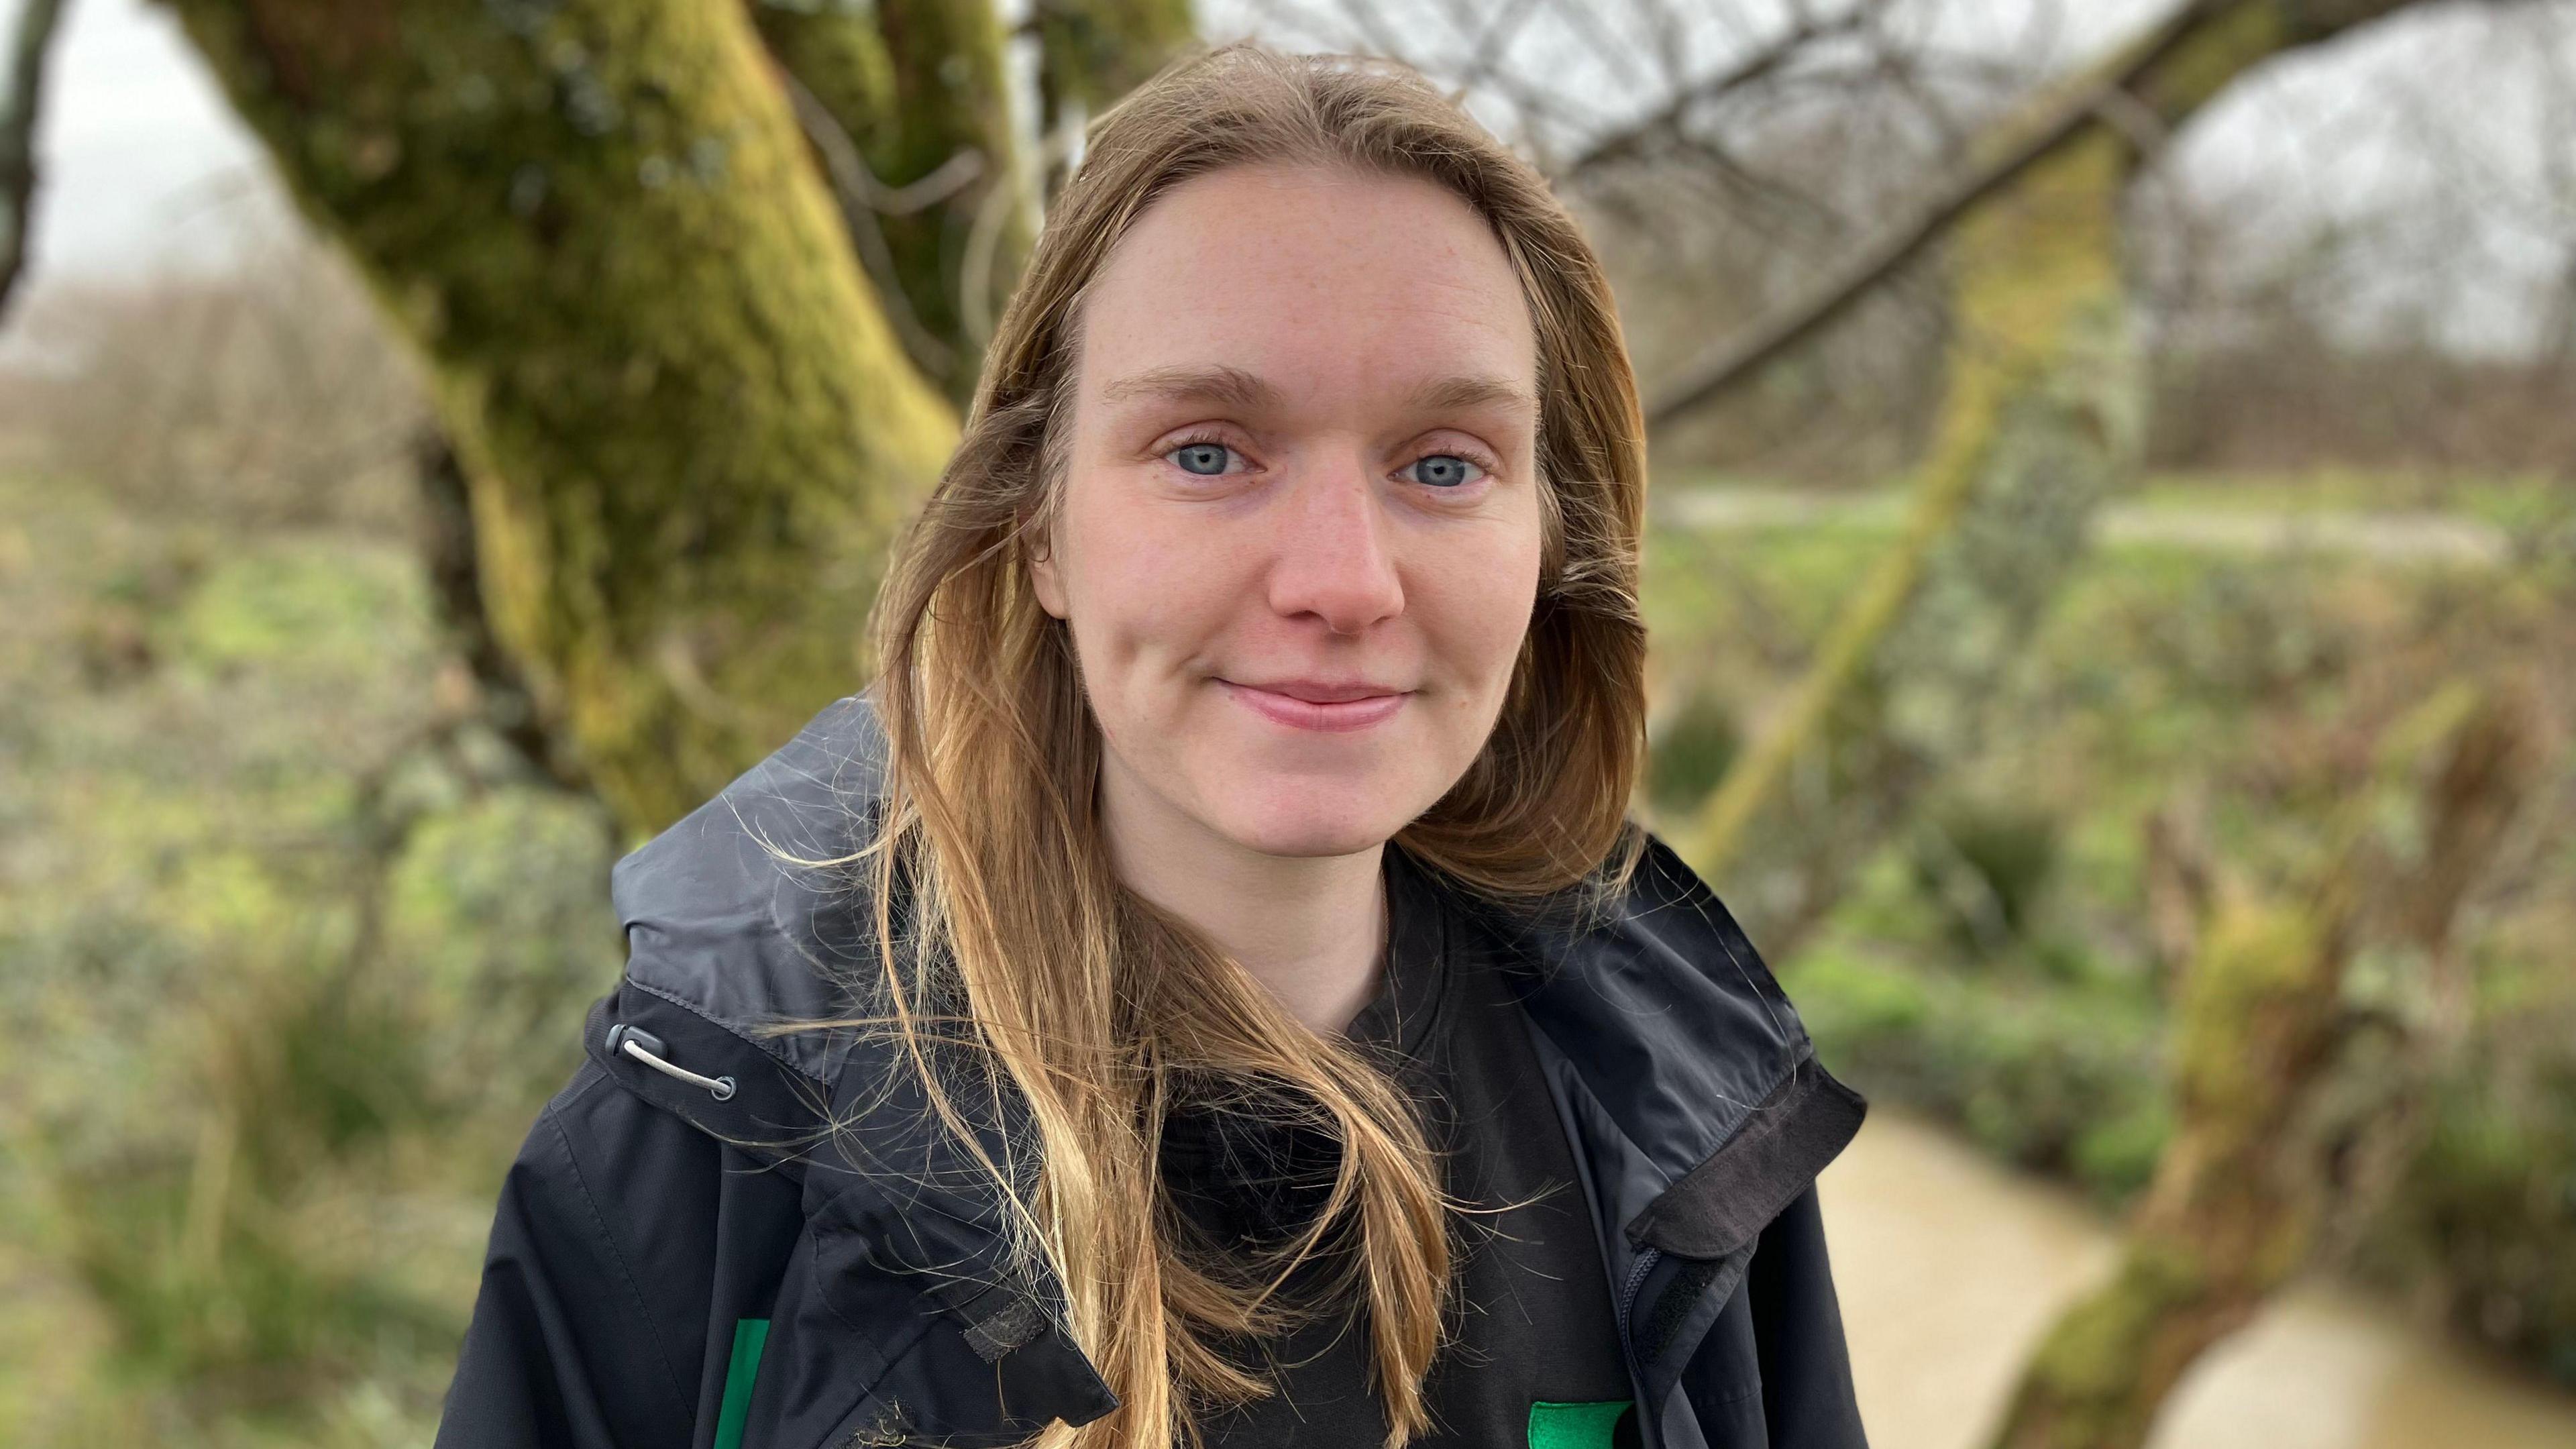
{"points": [[1299, 540]]}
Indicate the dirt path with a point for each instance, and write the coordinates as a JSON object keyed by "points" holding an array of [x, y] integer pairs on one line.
{"points": [[1949, 1267], [2396, 537]]}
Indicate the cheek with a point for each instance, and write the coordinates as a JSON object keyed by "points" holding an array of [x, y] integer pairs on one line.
{"points": [[1475, 606], [1142, 589]]}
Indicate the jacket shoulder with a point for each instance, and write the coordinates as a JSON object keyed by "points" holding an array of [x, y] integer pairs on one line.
{"points": [[748, 911], [1659, 1007]]}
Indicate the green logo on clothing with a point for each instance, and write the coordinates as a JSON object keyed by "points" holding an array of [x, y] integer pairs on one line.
{"points": [[750, 1336], [1575, 1426]]}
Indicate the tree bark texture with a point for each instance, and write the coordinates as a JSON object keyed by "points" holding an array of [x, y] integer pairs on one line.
{"points": [[688, 428], [2042, 417]]}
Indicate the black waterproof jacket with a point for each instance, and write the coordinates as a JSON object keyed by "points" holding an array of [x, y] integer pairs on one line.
{"points": [[684, 1266]]}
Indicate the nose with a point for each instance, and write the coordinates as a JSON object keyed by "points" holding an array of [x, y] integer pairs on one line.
{"points": [[1331, 557]]}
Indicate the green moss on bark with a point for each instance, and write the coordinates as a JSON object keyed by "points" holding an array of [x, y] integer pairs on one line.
{"points": [[688, 429]]}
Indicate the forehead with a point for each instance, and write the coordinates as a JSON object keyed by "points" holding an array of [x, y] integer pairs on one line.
{"points": [[1318, 280]]}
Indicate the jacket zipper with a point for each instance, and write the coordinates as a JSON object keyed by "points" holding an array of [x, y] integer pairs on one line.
{"points": [[1628, 1304], [1646, 1432]]}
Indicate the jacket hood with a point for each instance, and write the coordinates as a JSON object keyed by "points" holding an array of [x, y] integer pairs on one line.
{"points": [[1684, 1078]]}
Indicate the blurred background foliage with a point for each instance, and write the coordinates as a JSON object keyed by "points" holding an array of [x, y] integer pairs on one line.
{"points": [[2005, 961], [304, 826]]}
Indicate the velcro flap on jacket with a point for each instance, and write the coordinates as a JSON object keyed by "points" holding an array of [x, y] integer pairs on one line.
{"points": [[1723, 1204]]}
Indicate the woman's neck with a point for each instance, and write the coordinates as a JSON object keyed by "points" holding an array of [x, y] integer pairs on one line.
{"points": [[1310, 929]]}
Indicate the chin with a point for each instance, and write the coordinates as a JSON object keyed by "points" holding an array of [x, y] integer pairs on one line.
{"points": [[1300, 818]]}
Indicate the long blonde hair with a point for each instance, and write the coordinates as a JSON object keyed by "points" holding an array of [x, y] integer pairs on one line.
{"points": [[1101, 1013]]}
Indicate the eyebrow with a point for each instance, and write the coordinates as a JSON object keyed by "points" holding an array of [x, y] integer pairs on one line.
{"points": [[1234, 387], [1457, 394], [1231, 386]]}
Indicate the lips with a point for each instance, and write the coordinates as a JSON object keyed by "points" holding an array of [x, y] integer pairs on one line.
{"points": [[1329, 706]]}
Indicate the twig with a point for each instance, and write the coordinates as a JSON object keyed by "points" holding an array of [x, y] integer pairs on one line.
{"points": [[1628, 141], [860, 195], [1363, 16], [979, 291], [1491, 43]]}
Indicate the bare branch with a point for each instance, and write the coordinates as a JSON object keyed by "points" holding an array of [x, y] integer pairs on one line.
{"points": [[1629, 141], [1671, 42], [1585, 21], [1363, 16], [34, 43], [1742, 355], [863, 198], [1492, 43]]}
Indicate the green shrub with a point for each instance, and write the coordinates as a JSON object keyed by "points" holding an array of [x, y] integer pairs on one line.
{"points": [[2484, 1223], [2053, 1076], [1692, 752], [1985, 866]]}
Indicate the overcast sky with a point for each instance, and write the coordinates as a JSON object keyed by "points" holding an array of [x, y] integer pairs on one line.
{"points": [[2438, 117], [135, 146]]}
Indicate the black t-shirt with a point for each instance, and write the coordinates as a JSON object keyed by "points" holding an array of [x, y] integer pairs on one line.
{"points": [[1532, 1355]]}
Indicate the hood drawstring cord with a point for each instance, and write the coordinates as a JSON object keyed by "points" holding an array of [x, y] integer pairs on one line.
{"points": [[643, 1046]]}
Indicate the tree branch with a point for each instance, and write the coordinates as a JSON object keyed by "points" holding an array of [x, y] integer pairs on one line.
{"points": [[1628, 141], [37, 23], [1745, 353], [861, 197]]}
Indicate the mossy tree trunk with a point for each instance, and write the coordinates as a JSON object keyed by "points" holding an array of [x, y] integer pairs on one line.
{"points": [[687, 427], [2260, 1022], [2042, 417], [22, 90]]}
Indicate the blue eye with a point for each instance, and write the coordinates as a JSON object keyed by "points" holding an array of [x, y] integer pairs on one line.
{"points": [[1205, 459], [1444, 470]]}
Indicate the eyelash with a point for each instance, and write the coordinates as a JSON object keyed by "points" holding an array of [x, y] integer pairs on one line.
{"points": [[1483, 464]]}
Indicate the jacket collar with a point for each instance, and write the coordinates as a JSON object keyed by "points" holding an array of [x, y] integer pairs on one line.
{"points": [[1691, 1096], [1685, 1080]]}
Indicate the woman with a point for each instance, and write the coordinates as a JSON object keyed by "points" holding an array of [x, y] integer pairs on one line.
{"points": [[1208, 987]]}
